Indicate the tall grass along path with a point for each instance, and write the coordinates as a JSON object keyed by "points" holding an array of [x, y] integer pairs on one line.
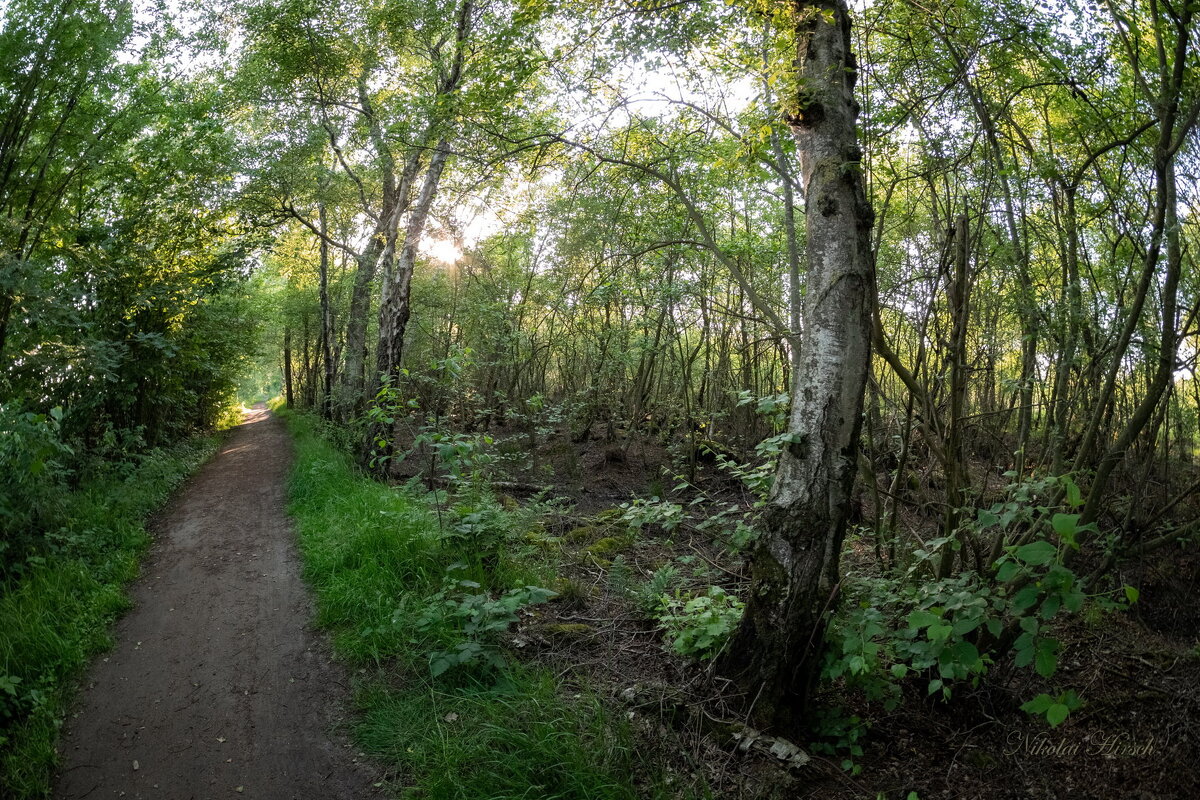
{"points": [[217, 686]]}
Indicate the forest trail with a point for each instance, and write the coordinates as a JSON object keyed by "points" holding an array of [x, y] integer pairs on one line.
{"points": [[217, 685]]}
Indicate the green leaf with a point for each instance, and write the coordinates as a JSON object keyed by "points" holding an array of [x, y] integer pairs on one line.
{"points": [[922, 619], [1065, 525], [1074, 498], [1056, 713], [1132, 594], [967, 654], [1074, 601], [1025, 599], [1046, 661], [1035, 554], [939, 633], [1024, 657], [987, 519], [1038, 705]]}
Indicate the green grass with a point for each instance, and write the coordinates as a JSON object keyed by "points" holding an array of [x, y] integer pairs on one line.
{"points": [[520, 740], [377, 558], [56, 615], [365, 547]]}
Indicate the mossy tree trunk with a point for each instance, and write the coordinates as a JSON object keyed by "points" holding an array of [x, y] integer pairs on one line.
{"points": [[776, 652]]}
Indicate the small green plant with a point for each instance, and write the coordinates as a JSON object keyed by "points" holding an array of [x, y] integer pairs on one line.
{"points": [[730, 522], [478, 532], [477, 618], [699, 626], [758, 475], [1053, 709], [463, 456], [380, 420], [641, 513], [620, 576], [648, 595], [839, 735]]}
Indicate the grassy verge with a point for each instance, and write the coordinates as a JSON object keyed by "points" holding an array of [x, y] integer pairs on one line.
{"points": [[419, 591], [56, 615]]}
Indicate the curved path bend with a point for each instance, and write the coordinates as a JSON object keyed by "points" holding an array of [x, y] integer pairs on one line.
{"points": [[217, 687]]}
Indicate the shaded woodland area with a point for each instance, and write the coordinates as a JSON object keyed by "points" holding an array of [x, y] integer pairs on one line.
{"points": [[813, 388]]}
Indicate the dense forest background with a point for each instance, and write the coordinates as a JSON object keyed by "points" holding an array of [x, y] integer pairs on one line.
{"points": [[557, 249]]}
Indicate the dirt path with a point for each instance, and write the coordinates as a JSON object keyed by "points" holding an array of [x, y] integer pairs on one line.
{"points": [[217, 686]]}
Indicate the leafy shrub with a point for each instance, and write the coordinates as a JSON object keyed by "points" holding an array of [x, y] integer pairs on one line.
{"points": [[952, 629], [759, 475], [31, 482], [699, 626], [839, 733], [462, 610]]}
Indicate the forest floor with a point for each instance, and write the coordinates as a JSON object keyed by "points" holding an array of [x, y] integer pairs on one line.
{"points": [[1137, 735], [217, 685]]}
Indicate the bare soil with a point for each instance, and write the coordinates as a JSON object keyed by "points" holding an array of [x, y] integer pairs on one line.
{"points": [[217, 685]]}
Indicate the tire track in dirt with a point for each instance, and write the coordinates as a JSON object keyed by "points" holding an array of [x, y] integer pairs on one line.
{"points": [[217, 687]]}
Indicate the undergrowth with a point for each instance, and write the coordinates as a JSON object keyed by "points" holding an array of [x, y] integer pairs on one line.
{"points": [[418, 590], [57, 608]]}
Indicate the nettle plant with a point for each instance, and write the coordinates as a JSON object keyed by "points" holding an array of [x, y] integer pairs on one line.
{"points": [[640, 513], [730, 521], [951, 631], [462, 456], [759, 474], [463, 610], [698, 626]]}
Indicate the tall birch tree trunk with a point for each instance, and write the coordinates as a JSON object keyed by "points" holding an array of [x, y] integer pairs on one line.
{"points": [[394, 301], [775, 654], [326, 315]]}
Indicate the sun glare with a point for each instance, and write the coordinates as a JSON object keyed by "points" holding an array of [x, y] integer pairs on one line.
{"points": [[443, 250]]}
